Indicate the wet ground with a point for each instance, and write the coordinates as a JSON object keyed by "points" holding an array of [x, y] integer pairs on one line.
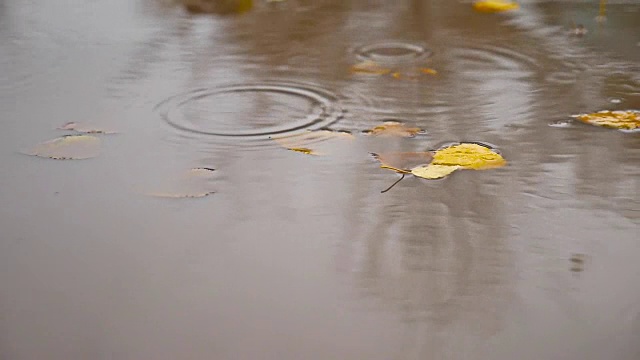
{"points": [[302, 257]]}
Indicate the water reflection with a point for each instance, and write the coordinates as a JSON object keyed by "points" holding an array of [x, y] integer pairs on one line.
{"points": [[441, 260]]}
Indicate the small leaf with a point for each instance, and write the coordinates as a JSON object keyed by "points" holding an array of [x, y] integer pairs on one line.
{"points": [[433, 171], [201, 172], [493, 6], [621, 120], [403, 162], [304, 143], [72, 147], [369, 67], [469, 156], [195, 183], [85, 128], [393, 128]]}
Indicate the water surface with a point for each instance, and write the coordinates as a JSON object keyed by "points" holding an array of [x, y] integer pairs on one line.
{"points": [[302, 257]]}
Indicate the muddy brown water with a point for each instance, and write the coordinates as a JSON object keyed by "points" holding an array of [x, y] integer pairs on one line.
{"points": [[300, 257]]}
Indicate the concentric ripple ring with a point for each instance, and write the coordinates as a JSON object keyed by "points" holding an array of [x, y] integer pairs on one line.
{"points": [[392, 51], [325, 112]]}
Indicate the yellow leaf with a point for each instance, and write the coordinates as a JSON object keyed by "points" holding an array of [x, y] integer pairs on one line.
{"points": [[622, 120], [468, 156], [403, 162], [369, 67], [304, 151], [73, 147], [433, 171], [493, 6], [393, 128], [304, 142]]}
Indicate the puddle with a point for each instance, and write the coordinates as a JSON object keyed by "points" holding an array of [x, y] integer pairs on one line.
{"points": [[299, 245]]}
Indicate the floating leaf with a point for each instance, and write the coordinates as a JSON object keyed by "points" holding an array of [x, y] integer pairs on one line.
{"points": [[84, 128], [469, 156], [443, 162], [433, 171], [493, 6], [196, 183], [369, 67], [621, 120], [72, 147], [393, 128], [304, 142], [303, 150], [403, 162]]}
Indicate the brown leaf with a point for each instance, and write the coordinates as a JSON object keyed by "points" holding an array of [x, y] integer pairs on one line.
{"points": [[393, 128], [307, 142]]}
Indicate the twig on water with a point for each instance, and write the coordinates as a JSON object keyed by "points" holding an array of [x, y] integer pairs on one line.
{"points": [[392, 185]]}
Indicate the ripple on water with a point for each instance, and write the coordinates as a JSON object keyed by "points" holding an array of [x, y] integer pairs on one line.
{"points": [[493, 58], [496, 84], [251, 111], [392, 51], [479, 73]]}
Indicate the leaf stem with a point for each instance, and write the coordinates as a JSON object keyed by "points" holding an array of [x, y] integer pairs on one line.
{"points": [[392, 185]]}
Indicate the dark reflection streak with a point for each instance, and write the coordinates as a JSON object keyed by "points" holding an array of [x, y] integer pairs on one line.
{"points": [[452, 260]]}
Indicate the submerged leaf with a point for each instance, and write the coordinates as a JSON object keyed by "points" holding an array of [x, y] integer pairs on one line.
{"points": [[369, 67], [393, 128], [403, 162], [433, 171], [195, 183], [72, 147], [186, 195], [428, 71], [304, 143], [622, 120], [493, 6], [84, 128], [469, 156], [414, 74], [217, 7]]}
